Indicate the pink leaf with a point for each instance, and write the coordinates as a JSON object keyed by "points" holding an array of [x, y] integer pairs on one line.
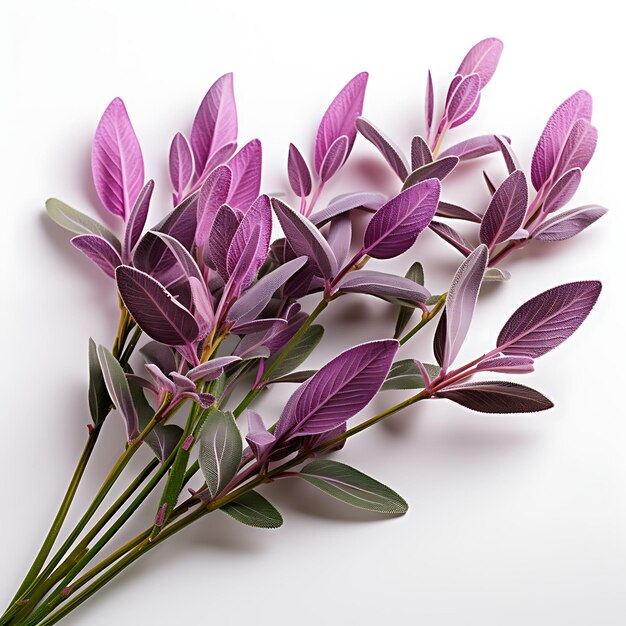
{"points": [[181, 165], [482, 59], [246, 182]]}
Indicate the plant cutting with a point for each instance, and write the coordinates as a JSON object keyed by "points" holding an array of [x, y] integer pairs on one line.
{"points": [[212, 314]]}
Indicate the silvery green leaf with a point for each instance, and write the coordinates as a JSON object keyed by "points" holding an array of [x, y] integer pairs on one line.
{"points": [[252, 509], [416, 274], [495, 274], [99, 400], [406, 374], [353, 487], [220, 450], [300, 351]]}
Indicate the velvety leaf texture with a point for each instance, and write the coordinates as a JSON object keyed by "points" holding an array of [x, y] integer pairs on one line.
{"points": [[547, 320], [298, 173], [396, 225], [437, 169], [405, 374], [252, 509], [99, 400], [116, 161], [473, 148], [100, 251], [334, 159], [482, 59], [447, 233], [137, 220], [390, 152], [420, 153], [213, 194], [387, 286], [340, 118], [569, 223], [562, 191], [246, 175], [507, 364], [338, 390], [463, 100], [578, 148], [497, 397], [301, 350], [366, 201]]}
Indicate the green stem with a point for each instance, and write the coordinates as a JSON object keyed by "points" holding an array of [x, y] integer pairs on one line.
{"points": [[427, 318]]}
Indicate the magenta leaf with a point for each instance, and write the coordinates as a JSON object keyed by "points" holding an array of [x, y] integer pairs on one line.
{"points": [[429, 104], [246, 179], [137, 220], [447, 233], [259, 440], [420, 153], [506, 211], [547, 320], [461, 302], [453, 211], [154, 309], [555, 134], [211, 370], [510, 158], [482, 59], [219, 157], [562, 191], [473, 148], [334, 158], [100, 251], [246, 267], [507, 364], [181, 165], [116, 161], [578, 148], [396, 289], [183, 257], [161, 381], [395, 226], [366, 201], [202, 305], [569, 223], [305, 239], [212, 196], [338, 390], [275, 324], [438, 169], [391, 153], [215, 124], [464, 100], [298, 173], [223, 231], [497, 397], [340, 118], [339, 237]]}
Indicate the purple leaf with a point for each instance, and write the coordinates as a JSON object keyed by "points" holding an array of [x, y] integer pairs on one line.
{"points": [[390, 287], [340, 118], [463, 100], [366, 201], [219, 157], [461, 302], [548, 319], [298, 173], [497, 397], [182, 382], [259, 440], [447, 233], [482, 59], [578, 148], [202, 305], [506, 211], [562, 191], [338, 390], [420, 153], [305, 239], [438, 169], [212, 196], [116, 161], [119, 391], [467, 115], [212, 369], [154, 309], [160, 355], [100, 251], [223, 231], [181, 165], [246, 179], [429, 104], [334, 159], [276, 324], [391, 153], [569, 223], [453, 211], [395, 226], [490, 186], [215, 124], [137, 220], [246, 268], [507, 364], [554, 136], [339, 237], [473, 148], [259, 215], [160, 379], [255, 299], [510, 158], [183, 257]]}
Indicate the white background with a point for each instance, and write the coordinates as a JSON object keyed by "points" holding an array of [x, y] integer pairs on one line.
{"points": [[514, 521]]}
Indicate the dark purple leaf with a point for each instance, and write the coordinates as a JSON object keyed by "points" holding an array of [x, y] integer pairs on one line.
{"points": [[116, 161], [510, 158], [390, 287], [215, 124], [391, 153], [497, 397], [338, 390], [246, 179], [100, 251], [507, 364], [259, 440], [554, 136], [429, 104], [154, 309], [490, 186], [473, 148], [461, 302], [420, 153], [99, 400], [506, 211], [334, 159], [223, 231], [305, 239], [246, 267], [160, 355], [181, 165], [437, 169], [396, 225], [447, 233], [367, 201], [183, 257], [482, 59], [578, 148], [445, 209], [569, 223], [340, 118], [257, 326], [547, 320], [298, 173], [137, 220], [212, 196]]}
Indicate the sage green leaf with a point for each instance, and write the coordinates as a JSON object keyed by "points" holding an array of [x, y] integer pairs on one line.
{"points": [[416, 274], [353, 487], [295, 377], [76, 222], [99, 401], [220, 450], [300, 351], [495, 274], [406, 375], [252, 509], [433, 300]]}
